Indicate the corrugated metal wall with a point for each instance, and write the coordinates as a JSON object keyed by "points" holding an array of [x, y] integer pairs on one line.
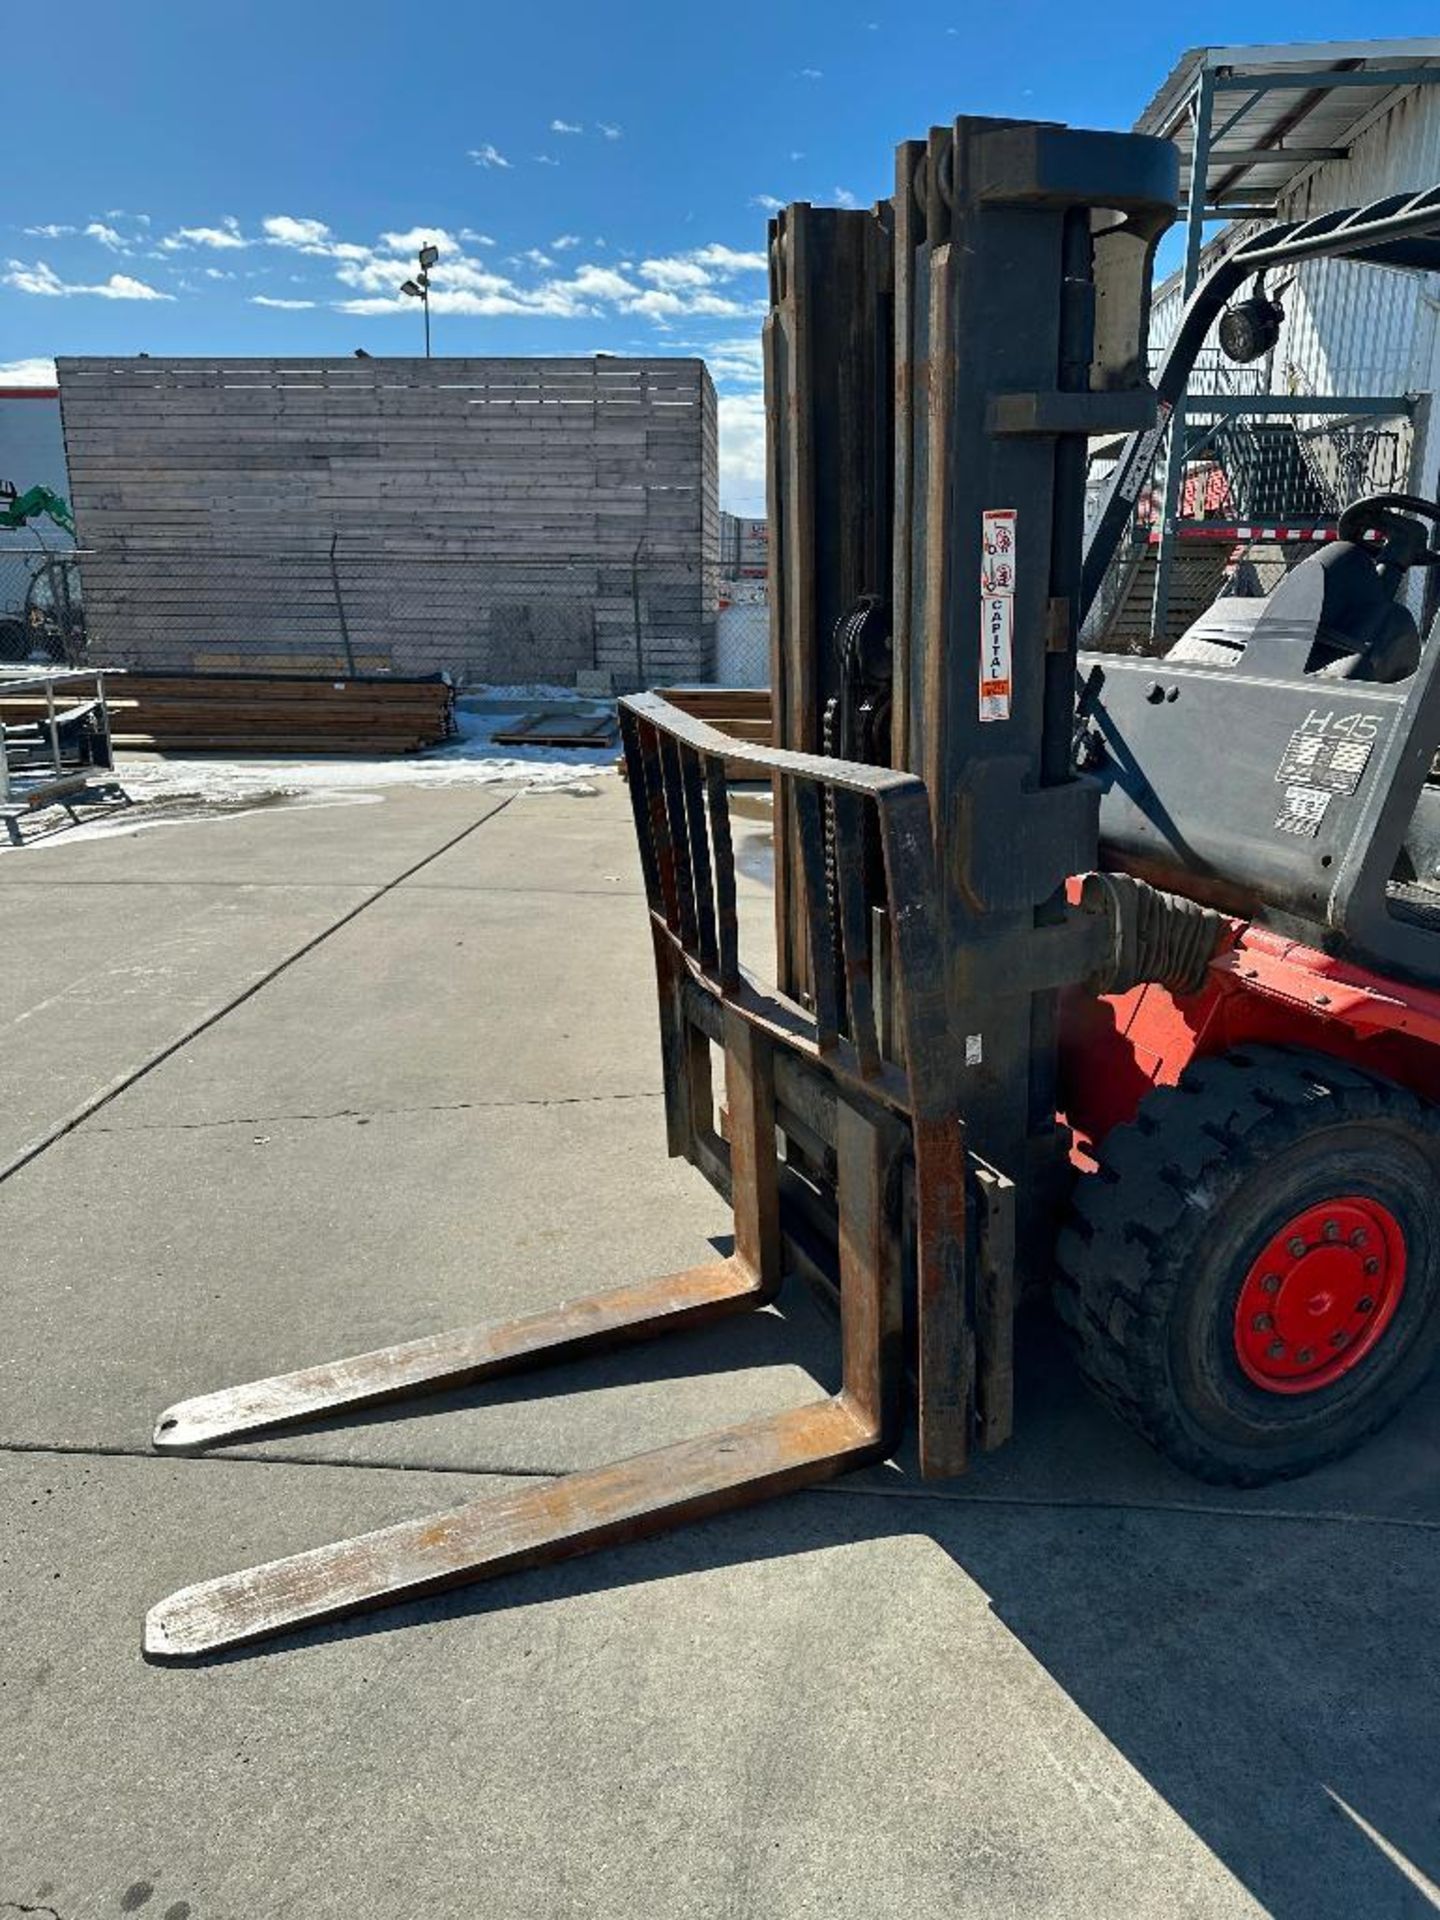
{"points": [[1365, 330], [1350, 329]]}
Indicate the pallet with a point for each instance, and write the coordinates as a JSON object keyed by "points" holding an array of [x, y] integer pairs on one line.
{"points": [[555, 727]]}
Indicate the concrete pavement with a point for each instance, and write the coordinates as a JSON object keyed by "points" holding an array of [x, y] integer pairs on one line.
{"points": [[406, 1077]]}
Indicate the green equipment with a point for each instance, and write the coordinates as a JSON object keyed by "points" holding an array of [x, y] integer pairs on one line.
{"points": [[19, 509]]}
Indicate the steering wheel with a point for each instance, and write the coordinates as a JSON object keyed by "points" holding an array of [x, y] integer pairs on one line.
{"points": [[1395, 515]]}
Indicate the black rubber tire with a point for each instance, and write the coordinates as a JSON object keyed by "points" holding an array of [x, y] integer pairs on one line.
{"points": [[1160, 1238]]}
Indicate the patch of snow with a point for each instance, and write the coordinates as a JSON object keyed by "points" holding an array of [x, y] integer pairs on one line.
{"points": [[183, 791]]}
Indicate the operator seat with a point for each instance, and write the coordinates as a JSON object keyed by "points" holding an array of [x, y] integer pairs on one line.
{"points": [[1334, 615]]}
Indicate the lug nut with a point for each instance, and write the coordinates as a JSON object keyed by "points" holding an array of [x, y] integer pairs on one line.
{"points": [[1262, 1323], [1339, 1338], [1372, 1265], [1359, 1237], [1276, 1349], [1332, 1229], [1304, 1357], [1365, 1304], [1270, 1283], [1296, 1247]]}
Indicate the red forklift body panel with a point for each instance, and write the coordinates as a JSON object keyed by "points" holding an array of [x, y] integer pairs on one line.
{"points": [[1262, 989]]}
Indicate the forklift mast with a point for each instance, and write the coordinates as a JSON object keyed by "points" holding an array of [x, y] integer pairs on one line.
{"points": [[934, 370]]}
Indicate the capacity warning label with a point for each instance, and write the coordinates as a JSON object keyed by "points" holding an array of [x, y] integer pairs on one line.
{"points": [[997, 611]]}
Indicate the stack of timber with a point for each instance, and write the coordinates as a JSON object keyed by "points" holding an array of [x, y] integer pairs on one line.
{"points": [[509, 520], [284, 714], [744, 713]]}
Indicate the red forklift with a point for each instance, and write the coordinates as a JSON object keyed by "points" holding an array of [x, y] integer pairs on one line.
{"points": [[1107, 977]]}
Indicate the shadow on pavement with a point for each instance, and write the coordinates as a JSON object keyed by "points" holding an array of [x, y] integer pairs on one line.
{"points": [[1266, 1662]]}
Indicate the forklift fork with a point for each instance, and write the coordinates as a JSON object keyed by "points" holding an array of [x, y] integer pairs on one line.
{"points": [[881, 1115]]}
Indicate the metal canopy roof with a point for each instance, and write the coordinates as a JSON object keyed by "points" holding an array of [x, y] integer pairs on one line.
{"points": [[1277, 111]]}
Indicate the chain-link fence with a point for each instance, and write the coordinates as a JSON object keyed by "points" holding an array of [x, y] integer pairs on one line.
{"points": [[1256, 491], [499, 620], [491, 621], [42, 616]]}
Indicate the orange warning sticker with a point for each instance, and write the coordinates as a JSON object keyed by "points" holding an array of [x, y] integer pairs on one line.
{"points": [[997, 611]]}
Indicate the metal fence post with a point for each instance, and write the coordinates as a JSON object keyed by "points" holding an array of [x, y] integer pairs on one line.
{"points": [[1175, 461], [340, 607], [635, 610]]}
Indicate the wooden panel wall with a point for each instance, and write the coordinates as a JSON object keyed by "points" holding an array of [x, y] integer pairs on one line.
{"points": [[503, 519]]}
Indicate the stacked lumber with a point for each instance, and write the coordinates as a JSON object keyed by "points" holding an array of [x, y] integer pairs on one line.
{"points": [[509, 519], [185, 713], [745, 713]]}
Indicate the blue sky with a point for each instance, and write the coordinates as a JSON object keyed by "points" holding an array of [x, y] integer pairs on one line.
{"points": [[253, 178]]}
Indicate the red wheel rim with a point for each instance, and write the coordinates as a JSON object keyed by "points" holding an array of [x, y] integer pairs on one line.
{"points": [[1320, 1294]]}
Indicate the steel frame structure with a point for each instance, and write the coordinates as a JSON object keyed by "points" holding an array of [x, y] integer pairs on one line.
{"points": [[63, 748], [1218, 98]]}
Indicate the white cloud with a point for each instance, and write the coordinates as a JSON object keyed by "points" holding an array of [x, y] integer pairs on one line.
{"points": [[286, 230], [413, 238], [50, 231], [742, 452], [610, 131], [844, 197], [661, 304], [488, 156], [546, 160], [674, 272], [662, 289], [382, 273], [226, 237], [566, 126], [107, 236], [811, 73], [556, 301], [27, 373], [767, 201], [738, 362], [310, 236], [604, 283], [120, 286], [43, 279], [725, 261]]}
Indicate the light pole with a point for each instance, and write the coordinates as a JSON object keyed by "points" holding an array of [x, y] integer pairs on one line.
{"points": [[419, 287]]}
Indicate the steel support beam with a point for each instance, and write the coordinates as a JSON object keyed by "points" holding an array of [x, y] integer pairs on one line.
{"points": [[1292, 405], [1204, 112], [1322, 78], [1258, 156]]}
